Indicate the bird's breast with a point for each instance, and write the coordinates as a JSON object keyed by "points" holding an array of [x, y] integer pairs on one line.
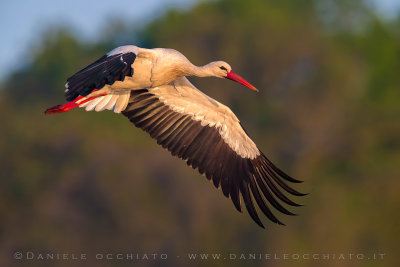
{"points": [[165, 73]]}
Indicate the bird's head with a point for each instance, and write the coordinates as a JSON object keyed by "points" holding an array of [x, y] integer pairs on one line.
{"points": [[222, 69]]}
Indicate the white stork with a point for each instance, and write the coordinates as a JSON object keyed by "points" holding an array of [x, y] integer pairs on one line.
{"points": [[149, 86]]}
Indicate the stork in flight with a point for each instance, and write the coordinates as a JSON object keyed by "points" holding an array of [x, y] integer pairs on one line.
{"points": [[149, 86]]}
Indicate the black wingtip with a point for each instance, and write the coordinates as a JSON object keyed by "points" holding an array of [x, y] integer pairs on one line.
{"points": [[260, 224], [238, 207], [289, 213]]}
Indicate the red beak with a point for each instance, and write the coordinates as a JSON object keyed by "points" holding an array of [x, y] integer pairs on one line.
{"points": [[235, 77]]}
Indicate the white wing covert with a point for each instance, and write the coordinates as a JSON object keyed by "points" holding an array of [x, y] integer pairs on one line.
{"points": [[207, 134]]}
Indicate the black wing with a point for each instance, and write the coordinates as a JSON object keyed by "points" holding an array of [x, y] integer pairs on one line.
{"points": [[105, 70], [204, 149]]}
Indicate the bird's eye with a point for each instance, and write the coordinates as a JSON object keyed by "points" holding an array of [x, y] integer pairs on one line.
{"points": [[223, 68]]}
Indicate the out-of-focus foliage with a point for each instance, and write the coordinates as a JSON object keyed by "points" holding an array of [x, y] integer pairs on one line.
{"points": [[327, 112]]}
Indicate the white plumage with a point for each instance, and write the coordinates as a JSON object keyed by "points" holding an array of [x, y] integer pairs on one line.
{"points": [[149, 86]]}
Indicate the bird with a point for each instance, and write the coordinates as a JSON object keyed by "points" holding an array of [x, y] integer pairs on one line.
{"points": [[150, 87]]}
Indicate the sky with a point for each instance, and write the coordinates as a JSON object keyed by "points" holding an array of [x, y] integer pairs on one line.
{"points": [[387, 7], [22, 21]]}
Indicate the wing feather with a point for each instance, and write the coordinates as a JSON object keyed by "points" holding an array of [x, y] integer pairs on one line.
{"points": [[209, 137], [104, 71]]}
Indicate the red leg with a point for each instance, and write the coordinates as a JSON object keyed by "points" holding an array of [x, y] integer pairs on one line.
{"points": [[69, 105]]}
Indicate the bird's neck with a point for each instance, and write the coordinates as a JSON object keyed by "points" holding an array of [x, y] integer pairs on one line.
{"points": [[199, 71]]}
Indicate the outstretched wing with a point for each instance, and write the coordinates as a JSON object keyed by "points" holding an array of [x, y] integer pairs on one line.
{"points": [[205, 133], [111, 67]]}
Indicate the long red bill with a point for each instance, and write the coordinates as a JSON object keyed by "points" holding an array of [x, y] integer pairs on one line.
{"points": [[235, 77]]}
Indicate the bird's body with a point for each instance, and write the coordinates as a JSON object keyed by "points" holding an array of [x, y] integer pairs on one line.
{"points": [[153, 67], [149, 86]]}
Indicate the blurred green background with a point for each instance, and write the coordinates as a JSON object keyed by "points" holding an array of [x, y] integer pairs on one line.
{"points": [[327, 113]]}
